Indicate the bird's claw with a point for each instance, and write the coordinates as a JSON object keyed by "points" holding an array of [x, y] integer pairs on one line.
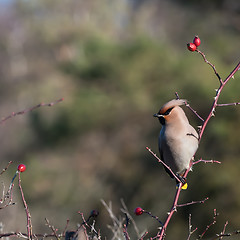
{"points": [[183, 180]]}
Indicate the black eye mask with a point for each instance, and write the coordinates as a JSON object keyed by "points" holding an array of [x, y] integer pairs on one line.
{"points": [[168, 111]]}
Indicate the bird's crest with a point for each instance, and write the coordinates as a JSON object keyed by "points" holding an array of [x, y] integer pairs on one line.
{"points": [[171, 104]]}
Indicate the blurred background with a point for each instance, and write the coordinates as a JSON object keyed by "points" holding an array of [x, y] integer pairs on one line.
{"points": [[115, 63]]}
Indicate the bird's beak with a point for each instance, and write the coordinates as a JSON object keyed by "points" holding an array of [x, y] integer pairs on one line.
{"points": [[157, 115]]}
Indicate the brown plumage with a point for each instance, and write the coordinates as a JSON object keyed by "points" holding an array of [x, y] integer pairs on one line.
{"points": [[178, 140]]}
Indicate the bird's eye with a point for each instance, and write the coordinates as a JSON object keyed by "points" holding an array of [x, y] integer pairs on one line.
{"points": [[168, 111]]}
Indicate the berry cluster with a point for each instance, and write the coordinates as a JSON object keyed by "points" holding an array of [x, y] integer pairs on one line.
{"points": [[193, 46]]}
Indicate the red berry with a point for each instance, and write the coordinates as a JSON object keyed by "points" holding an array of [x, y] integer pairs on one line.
{"points": [[197, 41], [138, 211], [21, 167], [191, 47]]}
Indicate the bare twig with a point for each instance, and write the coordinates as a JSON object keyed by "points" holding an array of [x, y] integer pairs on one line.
{"points": [[125, 211], [227, 104], [194, 111], [215, 102], [226, 235], [9, 194], [177, 96], [211, 224], [54, 231], [29, 222], [188, 106], [14, 114], [143, 236], [164, 164], [162, 234], [5, 169], [65, 229], [191, 203], [213, 67], [205, 161], [190, 231], [224, 229], [24, 235], [154, 217], [125, 232], [85, 224]]}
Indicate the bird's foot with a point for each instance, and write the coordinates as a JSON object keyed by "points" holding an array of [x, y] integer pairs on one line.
{"points": [[182, 179]]}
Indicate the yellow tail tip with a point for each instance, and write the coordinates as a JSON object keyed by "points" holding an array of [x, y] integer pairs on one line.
{"points": [[184, 186]]}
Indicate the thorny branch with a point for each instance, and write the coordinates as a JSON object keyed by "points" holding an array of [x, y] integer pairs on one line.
{"points": [[163, 163], [213, 67], [29, 222], [215, 102], [188, 106], [201, 131], [205, 161], [227, 104], [192, 202]]}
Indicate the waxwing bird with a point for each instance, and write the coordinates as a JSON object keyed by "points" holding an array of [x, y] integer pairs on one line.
{"points": [[178, 140]]}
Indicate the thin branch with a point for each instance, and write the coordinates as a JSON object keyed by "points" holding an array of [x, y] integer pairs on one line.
{"points": [[9, 192], [8, 195], [173, 209], [163, 163], [177, 96], [85, 224], [215, 102], [5, 169], [154, 217], [188, 106], [190, 231], [30, 109], [211, 224], [29, 223], [213, 67], [224, 229], [24, 235], [228, 104], [191, 203], [66, 226], [206, 161], [226, 235], [54, 231], [143, 236], [125, 211], [125, 232], [194, 111]]}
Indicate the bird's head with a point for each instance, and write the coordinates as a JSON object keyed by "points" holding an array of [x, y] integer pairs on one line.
{"points": [[171, 111]]}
